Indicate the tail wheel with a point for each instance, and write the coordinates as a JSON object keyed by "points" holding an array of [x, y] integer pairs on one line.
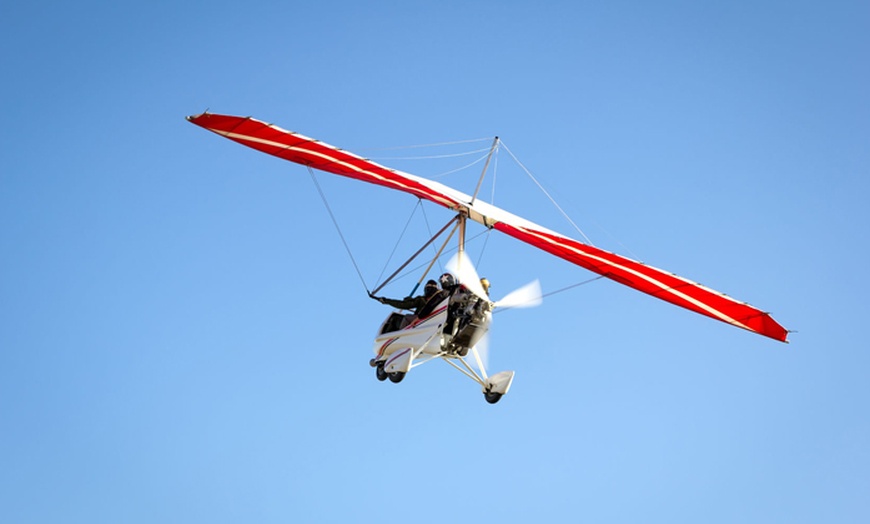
{"points": [[380, 373], [491, 397], [396, 377]]}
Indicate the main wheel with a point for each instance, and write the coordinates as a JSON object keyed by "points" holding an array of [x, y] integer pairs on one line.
{"points": [[396, 377], [491, 397], [380, 373]]}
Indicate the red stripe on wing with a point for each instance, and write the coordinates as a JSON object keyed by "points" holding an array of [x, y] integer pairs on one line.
{"points": [[300, 149], [652, 281]]}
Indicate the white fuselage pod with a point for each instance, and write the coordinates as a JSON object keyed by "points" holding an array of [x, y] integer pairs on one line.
{"points": [[421, 336], [452, 329]]}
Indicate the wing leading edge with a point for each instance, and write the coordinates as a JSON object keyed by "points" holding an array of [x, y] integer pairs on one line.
{"points": [[300, 149]]}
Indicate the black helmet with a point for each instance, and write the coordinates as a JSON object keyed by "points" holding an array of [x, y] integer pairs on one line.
{"points": [[431, 288], [447, 281]]}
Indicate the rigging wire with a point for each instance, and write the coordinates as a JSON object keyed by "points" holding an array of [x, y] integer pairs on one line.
{"points": [[338, 229], [419, 204], [551, 293], [517, 160], [572, 286], [429, 157], [413, 270], [423, 210], [429, 229], [565, 214], [419, 146], [479, 160]]}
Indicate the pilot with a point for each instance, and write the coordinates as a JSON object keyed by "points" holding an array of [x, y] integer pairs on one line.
{"points": [[415, 304], [448, 282]]}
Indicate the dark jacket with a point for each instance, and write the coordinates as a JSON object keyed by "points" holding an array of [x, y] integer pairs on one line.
{"points": [[409, 303], [431, 303], [422, 306]]}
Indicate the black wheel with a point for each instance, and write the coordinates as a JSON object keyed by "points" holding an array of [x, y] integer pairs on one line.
{"points": [[380, 373], [396, 377], [491, 397]]}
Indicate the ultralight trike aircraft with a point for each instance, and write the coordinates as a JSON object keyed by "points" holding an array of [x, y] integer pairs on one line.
{"points": [[454, 327]]}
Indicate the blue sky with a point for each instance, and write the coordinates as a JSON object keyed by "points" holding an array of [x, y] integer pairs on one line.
{"points": [[184, 339]]}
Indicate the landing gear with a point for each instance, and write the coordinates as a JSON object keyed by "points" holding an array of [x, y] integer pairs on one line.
{"points": [[492, 397], [380, 373]]}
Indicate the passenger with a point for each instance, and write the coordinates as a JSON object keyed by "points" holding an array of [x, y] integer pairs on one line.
{"points": [[485, 283]]}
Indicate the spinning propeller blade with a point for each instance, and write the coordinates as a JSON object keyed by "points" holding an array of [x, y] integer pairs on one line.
{"points": [[462, 268], [482, 348], [527, 296]]}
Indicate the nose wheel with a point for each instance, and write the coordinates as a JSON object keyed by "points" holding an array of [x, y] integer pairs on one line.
{"points": [[492, 397]]}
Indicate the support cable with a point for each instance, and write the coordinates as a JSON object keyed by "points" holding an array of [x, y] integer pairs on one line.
{"points": [[517, 160], [429, 229], [431, 157], [420, 146], [551, 293], [413, 270], [458, 169], [337, 228], [572, 286], [393, 252], [403, 266]]}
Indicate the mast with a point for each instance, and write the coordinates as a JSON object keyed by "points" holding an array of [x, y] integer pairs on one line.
{"points": [[463, 215], [485, 167], [462, 219]]}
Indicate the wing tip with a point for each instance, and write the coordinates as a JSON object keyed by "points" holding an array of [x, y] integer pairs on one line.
{"points": [[193, 118]]}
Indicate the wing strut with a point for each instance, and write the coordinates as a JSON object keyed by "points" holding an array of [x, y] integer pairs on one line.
{"points": [[403, 266], [485, 167], [335, 222]]}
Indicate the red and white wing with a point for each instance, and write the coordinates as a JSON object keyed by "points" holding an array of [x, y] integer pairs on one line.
{"points": [[652, 281], [317, 155], [660, 284]]}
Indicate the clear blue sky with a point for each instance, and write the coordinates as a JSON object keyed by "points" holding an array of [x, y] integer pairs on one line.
{"points": [[183, 337]]}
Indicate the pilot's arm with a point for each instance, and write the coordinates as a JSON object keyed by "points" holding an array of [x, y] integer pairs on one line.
{"points": [[408, 303]]}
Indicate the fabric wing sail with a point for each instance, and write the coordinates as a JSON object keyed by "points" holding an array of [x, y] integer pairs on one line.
{"points": [[650, 280]]}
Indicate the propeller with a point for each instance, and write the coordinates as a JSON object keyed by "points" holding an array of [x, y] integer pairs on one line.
{"points": [[529, 295], [482, 348], [463, 269]]}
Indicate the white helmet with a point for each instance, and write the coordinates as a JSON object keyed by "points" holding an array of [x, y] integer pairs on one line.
{"points": [[447, 281]]}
